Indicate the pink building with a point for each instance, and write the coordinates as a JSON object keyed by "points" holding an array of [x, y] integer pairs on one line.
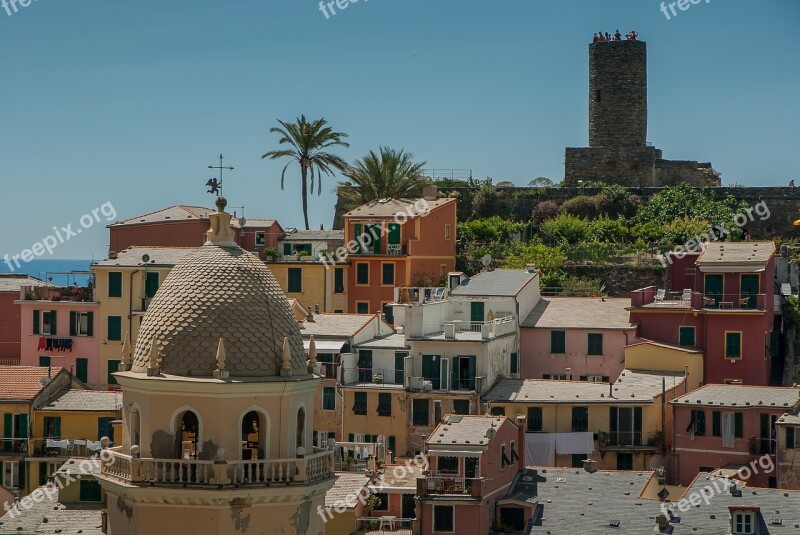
{"points": [[475, 462], [57, 328], [729, 427], [721, 302], [580, 338], [10, 285]]}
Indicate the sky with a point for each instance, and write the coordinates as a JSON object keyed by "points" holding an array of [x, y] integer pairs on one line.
{"points": [[125, 104]]}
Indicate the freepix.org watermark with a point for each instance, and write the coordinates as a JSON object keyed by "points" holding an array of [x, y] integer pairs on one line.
{"points": [[716, 233], [59, 236], [683, 5], [419, 208], [330, 7], [719, 486], [60, 480], [12, 6]]}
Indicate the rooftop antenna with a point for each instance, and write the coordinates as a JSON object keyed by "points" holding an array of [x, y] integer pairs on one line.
{"points": [[215, 186]]}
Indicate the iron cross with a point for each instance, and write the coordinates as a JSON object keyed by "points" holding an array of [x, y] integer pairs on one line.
{"points": [[214, 184]]}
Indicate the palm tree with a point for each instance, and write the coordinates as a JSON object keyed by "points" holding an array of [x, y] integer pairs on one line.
{"points": [[307, 143], [391, 174]]}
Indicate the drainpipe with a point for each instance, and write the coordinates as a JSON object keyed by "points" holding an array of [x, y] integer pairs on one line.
{"points": [[130, 304], [663, 415]]}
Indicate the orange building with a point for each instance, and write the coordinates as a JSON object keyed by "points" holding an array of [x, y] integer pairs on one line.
{"points": [[398, 242]]}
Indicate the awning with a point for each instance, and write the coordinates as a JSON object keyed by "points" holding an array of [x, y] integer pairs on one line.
{"points": [[326, 346]]}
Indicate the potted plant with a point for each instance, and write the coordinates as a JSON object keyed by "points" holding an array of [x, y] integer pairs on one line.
{"points": [[270, 253]]}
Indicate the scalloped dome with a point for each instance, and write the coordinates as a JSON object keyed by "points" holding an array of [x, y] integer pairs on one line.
{"points": [[220, 291]]}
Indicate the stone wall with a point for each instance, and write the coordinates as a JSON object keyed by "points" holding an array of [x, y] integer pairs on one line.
{"points": [[621, 280], [628, 166]]}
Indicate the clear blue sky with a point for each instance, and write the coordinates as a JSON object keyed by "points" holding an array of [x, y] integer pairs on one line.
{"points": [[128, 102]]}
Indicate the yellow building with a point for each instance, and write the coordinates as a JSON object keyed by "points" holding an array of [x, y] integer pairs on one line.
{"points": [[648, 355], [124, 285], [317, 286], [622, 426], [71, 425]]}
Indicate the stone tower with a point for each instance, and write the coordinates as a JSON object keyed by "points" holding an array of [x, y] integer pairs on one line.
{"points": [[618, 151], [618, 94]]}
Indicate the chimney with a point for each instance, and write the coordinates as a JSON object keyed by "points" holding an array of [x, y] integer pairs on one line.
{"points": [[531, 268], [430, 192], [310, 315], [521, 442]]}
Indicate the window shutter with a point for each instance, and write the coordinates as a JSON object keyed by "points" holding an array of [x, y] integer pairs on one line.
{"points": [[790, 438], [613, 420], [36, 316], [73, 323], [394, 233], [21, 466], [90, 324], [8, 425], [287, 249], [57, 427], [738, 424], [53, 322], [23, 425], [357, 238], [716, 424], [351, 437], [637, 419]]}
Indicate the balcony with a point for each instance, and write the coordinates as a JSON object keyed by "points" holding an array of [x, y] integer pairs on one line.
{"points": [[435, 384], [619, 440], [13, 446], [468, 330], [419, 294], [75, 294], [654, 298], [63, 448], [171, 472], [374, 525], [10, 362], [379, 377], [762, 446]]}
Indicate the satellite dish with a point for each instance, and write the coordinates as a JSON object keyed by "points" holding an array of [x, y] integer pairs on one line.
{"points": [[145, 258], [486, 260]]}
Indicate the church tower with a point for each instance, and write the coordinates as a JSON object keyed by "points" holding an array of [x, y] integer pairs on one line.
{"points": [[217, 406]]}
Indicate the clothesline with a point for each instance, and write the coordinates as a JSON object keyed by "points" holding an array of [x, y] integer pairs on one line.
{"points": [[55, 344]]}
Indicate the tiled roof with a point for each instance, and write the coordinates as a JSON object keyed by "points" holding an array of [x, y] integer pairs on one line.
{"points": [[790, 419], [80, 466], [463, 429], [394, 341], [737, 252], [23, 382], [763, 397], [636, 387], [85, 400], [392, 207], [46, 517], [315, 235], [580, 313], [176, 212], [498, 282], [339, 325], [220, 291], [576, 501], [11, 282], [251, 223], [159, 256], [347, 484], [666, 346]]}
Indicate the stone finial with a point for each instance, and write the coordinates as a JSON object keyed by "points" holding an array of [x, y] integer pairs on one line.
{"points": [[127, 354], [286, 359], [221, 372], [312, 354], [154, 365], [220, 232], [490, 316]]}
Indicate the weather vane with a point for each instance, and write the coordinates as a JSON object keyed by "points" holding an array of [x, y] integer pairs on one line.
{"points": [[214, 184]]}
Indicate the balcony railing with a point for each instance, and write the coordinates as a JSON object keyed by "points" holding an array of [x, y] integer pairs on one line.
{"points": [[318, 466], [762, 446], [432, 384], [13, 445], [652, 297], [377, 376], [450, 485], [64, 447], [469, 330], [10, 362], [53, 293], [383, 524], [732, 301]]}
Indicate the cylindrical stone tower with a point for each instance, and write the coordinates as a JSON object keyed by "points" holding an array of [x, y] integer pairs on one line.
{"points": [[618, 94]]}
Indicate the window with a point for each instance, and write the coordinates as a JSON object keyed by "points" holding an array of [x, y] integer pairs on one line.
{"points": [[535, 419], [514, 363], [577, 460], [790, 438], [624, 461], [338, 280], [44, 322], [44, 361], [105, 428], [738, 425], [504, 459], [580, 419], [113, 366], [420, 412], [362, 273], [595, 344], [743, 523], [697, 423], [388, 313], [82, 369], [558, 342], [399, 366], [447, 232], [384, 404], [716, 424], [150, 283], [81, 324], [394, 234], [90, 491], [594, 378], [598, 95], [11, 474], [733, 344], [295, 280], [447, 465], [261, 239], [383, 501], [387, 278], [362, 307], [686, 336], [52, 427], [114, 328], [329, 398], [360, 403], [498, 411], [461, 406], [443, 518], [115, 284]]}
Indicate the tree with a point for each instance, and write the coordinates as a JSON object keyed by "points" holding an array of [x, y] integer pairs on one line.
{"points": [[389, 174], [307, 143], [541, 182], [565, 228], [543, 211]]}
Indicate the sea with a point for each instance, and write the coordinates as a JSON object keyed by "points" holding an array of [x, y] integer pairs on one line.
{"points": [[58, 272]]}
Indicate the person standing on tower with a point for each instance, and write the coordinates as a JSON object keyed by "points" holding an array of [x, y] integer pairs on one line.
{"points": [[617, 36]]}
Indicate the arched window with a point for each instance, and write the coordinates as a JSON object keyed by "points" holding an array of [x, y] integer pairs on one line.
{"points": [[188, 435], [254, 436], [301, 427], [135, 427]]}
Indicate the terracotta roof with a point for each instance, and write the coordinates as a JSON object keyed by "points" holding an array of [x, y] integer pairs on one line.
{"points": [[11, 282], [159, 256], [745, 252], [85, 400], [177, 212], [392, 207], [23, 382], [220, 291], [579, 313], [315, 235], [742, 396]]}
